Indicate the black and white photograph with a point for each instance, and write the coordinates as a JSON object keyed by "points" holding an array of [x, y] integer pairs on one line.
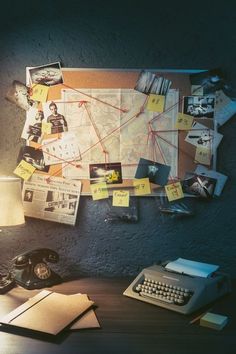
{"points": [[34, 157], [28, 195], [54, 114], [63, 203], [49, 75], [210, 80], [198, 185], [110, 173], [33, 125], [199, 106], [19, 94], [156, 172], [148, 83], [201, 136]]}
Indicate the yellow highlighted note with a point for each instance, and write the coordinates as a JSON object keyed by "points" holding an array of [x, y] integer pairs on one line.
{"points": [[24, 170], [46, 128], [156, 103], [174, 191], [120, 198], [142, 186], [39, 93], [184, 121], [99, 191]]}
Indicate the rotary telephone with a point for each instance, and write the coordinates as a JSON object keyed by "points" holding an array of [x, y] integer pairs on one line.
{"points": [[30, 269]]}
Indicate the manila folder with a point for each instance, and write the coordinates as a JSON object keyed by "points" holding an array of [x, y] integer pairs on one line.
{"points": [[47, 312]]}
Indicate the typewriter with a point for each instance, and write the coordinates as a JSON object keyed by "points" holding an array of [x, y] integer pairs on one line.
{"points": [[178, 292]]}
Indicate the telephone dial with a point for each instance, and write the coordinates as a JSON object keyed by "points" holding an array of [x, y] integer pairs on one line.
{"points": [[30, 269]]}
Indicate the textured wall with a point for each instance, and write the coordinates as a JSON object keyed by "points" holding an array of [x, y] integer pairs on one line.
{"points": [[120, 35]]}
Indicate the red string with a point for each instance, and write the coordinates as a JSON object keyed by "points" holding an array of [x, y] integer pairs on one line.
{"points": [[152, 133], [105, 137], [95, 98], [96, 130]]}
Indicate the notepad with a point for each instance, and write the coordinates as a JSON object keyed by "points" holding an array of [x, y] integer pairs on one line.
{"points": [[213, 320]]}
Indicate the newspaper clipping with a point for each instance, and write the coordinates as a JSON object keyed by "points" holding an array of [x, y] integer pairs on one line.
{"points": [[51, 198]]}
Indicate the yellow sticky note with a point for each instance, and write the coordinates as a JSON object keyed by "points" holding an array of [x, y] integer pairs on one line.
{"points": [[174, 191], [156, 103], [24, 170], [99, 191], [203, 155], [46, 128], [183, 121], [39, 93], [120, 198], [142, 186], [197, 90]]}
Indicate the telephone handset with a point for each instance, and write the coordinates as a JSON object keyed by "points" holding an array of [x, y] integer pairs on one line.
{"points": [[30, 269]]}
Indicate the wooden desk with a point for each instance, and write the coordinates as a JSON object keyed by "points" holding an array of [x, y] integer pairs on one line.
{"points": [[127, 325]]}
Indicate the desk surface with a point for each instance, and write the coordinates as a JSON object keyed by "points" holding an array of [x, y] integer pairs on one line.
{"points": [[127, 325]]}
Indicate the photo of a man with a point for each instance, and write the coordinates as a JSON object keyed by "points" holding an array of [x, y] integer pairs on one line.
{"points": [[35, 130], [57, 120], [28, 196]]}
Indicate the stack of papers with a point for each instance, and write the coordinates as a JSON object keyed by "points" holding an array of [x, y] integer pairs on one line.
{"points": [[192, 268], [213, 320], [50, 312]]}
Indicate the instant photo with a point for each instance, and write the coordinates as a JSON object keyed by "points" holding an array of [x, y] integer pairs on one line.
{"points": [[18, 93], [210, 81], [148, 83], [48, 75], [201, 136], [34, 157], [199, 106], [110, 173], [156, 172], [198, 185]]}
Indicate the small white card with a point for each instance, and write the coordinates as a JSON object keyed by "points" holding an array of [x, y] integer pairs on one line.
{"points": [[61, 150], [225, 108]]}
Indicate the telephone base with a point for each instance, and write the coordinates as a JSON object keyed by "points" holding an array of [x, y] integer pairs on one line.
{"points": [[34, 283], [6, 284]]}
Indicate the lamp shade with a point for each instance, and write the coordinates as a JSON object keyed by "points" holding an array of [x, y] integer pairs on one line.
{"points": [[11, 206]]}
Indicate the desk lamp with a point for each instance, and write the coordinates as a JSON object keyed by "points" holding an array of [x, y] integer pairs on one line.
{"points": [[11, 214]]}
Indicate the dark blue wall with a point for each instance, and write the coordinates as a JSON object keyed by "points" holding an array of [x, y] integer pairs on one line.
{"points": [[120, 34]]}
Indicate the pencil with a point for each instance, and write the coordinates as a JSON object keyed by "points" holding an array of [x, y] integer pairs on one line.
{"points": [[198, 317]]}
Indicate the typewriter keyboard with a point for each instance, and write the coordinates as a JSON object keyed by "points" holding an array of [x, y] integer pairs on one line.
{"points": [[160, 291]]}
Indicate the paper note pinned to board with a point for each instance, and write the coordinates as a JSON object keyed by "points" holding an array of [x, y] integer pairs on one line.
{"points": [[39, 93], [184, 121], [174, 191], [142, 186], [24, 170], [203, 155], [99, 191], [120, 198], [46, 128], [156, 103]]}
